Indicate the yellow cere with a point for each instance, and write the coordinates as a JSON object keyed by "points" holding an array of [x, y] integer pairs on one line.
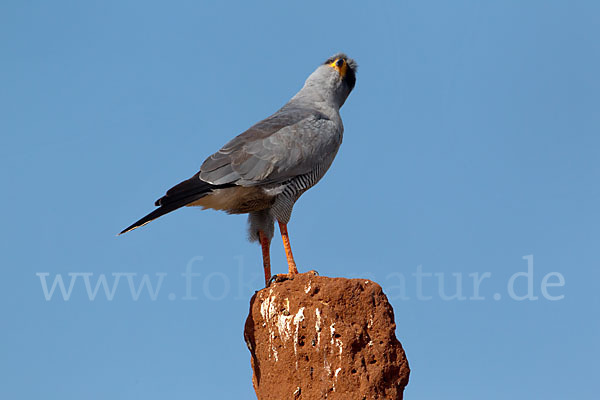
{"points": [[341, 70]]}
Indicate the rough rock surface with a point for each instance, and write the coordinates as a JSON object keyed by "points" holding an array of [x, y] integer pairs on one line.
{"points": [[324, 338]]}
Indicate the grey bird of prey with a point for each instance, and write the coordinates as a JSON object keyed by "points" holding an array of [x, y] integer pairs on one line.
{"points": [[264, 170]]}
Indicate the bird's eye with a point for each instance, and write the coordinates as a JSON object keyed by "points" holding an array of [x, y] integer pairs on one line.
{"points": [[340, 62]]}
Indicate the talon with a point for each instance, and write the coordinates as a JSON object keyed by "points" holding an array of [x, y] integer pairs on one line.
{"points": [[278, 278]]}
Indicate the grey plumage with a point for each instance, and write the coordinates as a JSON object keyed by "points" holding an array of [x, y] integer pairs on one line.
{"points": [[260, 221], [264, 170]]}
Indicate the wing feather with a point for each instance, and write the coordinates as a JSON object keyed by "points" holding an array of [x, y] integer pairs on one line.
{"points": [[289, 143]]}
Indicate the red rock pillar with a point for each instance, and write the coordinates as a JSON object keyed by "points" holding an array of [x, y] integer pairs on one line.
{"points": [[315, 337]]}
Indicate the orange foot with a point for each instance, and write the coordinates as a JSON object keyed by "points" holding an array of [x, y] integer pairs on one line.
{"points": [[287, 277], [288, 249]]}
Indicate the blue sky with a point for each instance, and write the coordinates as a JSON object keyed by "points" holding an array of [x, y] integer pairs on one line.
{"points": [[471, 142]]}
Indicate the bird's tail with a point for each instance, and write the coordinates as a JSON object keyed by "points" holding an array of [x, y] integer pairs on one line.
{"points": [[162, 210], [178, 196]]}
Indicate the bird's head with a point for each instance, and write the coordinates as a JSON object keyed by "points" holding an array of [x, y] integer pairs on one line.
{"points": [[334, 79]]}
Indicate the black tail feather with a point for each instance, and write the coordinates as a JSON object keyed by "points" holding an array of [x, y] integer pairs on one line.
{"points": [[178, 196], [162, 211], [187, 188]]}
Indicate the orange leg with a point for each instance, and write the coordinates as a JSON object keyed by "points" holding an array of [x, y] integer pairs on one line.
{"points": [[264, 243], [288, 249]]}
